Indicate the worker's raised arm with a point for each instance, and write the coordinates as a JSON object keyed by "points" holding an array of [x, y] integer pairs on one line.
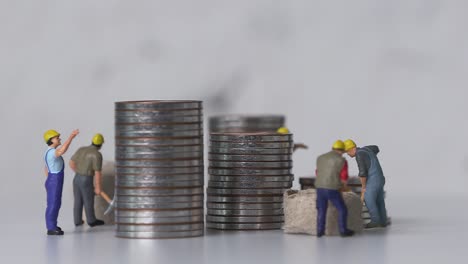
{"points": [[62, 149]]}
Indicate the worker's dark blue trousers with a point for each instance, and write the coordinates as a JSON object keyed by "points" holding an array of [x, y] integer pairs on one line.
{"points": [[54, 186], [334, 196]]}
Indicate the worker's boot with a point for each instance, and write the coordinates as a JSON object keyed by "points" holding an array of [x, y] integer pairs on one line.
{"points": [[372, 225], [96, 223], [56, 232], [347, 233]]}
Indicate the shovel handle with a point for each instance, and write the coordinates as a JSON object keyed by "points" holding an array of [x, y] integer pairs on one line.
{"points": [[106, 197]]}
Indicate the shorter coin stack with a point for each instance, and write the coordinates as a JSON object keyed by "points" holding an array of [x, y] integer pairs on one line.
{"points": [[248, 174], [246, 123], [307, 183]]}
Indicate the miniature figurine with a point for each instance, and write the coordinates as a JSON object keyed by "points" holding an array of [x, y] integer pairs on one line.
{"points": [[372, 180], [285, 130], [54, 170], [328, 184], [87, 165]]}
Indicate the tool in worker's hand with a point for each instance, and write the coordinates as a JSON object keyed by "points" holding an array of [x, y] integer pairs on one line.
{"points": [[111, 202]]}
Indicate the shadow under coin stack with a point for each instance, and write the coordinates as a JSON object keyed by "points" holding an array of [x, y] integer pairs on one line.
{"points": [[159, 169], [246, 123], [248, 174]]}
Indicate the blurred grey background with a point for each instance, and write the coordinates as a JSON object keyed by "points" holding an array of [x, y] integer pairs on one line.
{"points": [[391, 73]]}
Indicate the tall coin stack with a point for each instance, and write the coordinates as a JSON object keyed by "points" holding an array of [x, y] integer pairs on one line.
{"points": [[246, 123], [159, 169], [248, 174]]}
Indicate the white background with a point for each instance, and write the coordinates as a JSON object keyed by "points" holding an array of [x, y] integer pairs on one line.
{"points": [[391, 73]]}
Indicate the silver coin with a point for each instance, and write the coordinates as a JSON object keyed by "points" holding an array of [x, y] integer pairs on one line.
{"points": [[149, 142], [158, 113], [259, 226], [157, 171], [244, 191], [153, 133], [230, 157], [164, 220], [159, 228], [157, 105], [244, 206], [246, 123], [150, 184], [230, 212], [160, 205], [221, 178], [245, 126], [159, 199], [256, 118], [160, 156], [245, 164], [365, 215], [245, 219], [158, 119], [182, 234], [159, 164], [161, 178], [158, 213], [257, 137], [250, 144], [244, 199], [253, 172], [160, 127], [252, 151], [168, 149], [249, 185], [158, 192]]}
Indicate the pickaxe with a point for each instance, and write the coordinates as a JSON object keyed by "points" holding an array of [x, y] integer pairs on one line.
{"points": [[108, 200]]}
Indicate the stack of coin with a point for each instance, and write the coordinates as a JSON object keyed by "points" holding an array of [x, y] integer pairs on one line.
{"points": [[307, 183], [248, 174], [246, 123], [159, 169]]}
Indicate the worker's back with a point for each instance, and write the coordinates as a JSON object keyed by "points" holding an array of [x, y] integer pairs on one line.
{"points": [[329, 166], [88, 160]]}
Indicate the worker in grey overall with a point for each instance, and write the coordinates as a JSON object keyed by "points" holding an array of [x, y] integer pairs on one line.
{"points": [[372, 180], [87, 164]]}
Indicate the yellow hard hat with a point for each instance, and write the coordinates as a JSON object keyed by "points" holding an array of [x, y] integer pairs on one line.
{"points": [[339, 145], [98, 139], [50, 134], [282, 130], [349, 144]]}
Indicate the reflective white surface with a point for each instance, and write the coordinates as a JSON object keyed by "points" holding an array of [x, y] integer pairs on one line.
{"points": [[391, 73], [424, 230]]}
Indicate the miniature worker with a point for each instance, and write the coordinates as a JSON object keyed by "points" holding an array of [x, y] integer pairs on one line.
{"points": [[284, 131], [372, 181], [87, 165], [54, 170], [344, 173], [328, 184]]}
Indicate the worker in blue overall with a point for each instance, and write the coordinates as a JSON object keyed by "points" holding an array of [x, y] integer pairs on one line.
{"points": [[54, 170], [372, 181], [328, 184]]}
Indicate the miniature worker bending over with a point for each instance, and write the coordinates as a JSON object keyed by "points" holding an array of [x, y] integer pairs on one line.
{"points": [[372, 180]]}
